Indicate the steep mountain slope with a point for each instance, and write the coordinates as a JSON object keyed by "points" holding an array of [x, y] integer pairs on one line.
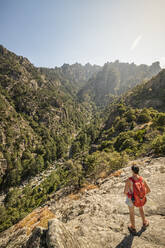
{"points": [[133, 125], [149, 94], [115, 79], [143, 104], [96, 217], [16, 137], [37, 118]]}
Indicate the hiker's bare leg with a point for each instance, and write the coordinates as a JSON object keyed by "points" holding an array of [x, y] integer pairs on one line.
{"points": [[141, 211], [132, 216]]}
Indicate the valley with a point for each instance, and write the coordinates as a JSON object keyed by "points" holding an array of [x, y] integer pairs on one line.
{"points": [[65, 128]]}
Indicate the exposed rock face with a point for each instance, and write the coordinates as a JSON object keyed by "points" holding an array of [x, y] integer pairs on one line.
{"points": [[37, 239], [3, 166], [99, 217], [56, 236], [114, 79], [12, 238], [59, 236]]}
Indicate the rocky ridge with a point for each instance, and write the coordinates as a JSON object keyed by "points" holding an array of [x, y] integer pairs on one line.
{"points": [[114, 79], [99, 217]]}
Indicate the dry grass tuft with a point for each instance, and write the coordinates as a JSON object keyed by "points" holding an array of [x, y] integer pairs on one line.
{"points": [[88, 187], [103, 174], [74, 196], [91, 186], [116, 173], [85, 187], [38, 217]]}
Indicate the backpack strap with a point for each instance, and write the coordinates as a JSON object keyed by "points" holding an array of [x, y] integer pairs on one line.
{"points": [[131, 188], [139, 179], [134, 182], [131, 179]]}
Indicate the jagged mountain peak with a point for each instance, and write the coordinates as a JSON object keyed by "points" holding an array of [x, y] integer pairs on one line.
{"points": [[114, 79]]}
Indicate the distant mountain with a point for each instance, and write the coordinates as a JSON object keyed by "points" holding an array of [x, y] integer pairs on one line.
{"points": [[133, 123], [77, 72], [73, 77], [148, 94], [114, 79]]}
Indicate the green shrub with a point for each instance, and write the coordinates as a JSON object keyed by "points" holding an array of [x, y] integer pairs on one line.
{"points": [[129, 143], [140, 135], [121, 138], [130, 115], [106, 144], [158, 145], [160, 120], [144, 117], [121, 125], [121, 108], [103, 161]]}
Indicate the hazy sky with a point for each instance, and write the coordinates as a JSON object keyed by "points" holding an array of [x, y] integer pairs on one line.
{"points": [[52, 32]]}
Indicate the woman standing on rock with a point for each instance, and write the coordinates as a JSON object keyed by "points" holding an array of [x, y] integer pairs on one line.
{"points": [[136, 189]]}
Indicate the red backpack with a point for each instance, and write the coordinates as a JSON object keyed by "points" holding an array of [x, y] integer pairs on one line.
{"points": [[139, 192]]}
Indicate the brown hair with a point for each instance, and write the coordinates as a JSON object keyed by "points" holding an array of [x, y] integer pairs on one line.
{"points": [[135, 169]]}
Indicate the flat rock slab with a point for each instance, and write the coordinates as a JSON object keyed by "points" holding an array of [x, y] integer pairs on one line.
{"points": [[99, 217]]}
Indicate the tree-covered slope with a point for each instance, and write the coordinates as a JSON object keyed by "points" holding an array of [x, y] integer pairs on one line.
{"points": [[37, 118], [135, 123], [149, 94], [132, 126]]}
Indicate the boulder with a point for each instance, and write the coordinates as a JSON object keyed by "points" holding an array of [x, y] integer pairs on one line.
{"points": [[58, 236], [37, 239]]}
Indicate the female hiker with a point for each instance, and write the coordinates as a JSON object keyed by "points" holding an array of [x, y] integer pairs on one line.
{"points": [[136, 189]]}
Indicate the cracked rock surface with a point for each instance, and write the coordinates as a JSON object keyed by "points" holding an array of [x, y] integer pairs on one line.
{"points": [[99, 217]]}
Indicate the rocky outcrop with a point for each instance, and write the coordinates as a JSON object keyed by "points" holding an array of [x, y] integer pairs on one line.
{"points": [[37, 239], [59, 236], [56, 236], [114, 79], [99, 217]]}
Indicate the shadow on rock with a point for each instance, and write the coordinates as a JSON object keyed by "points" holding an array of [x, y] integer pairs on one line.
{"points": [[143, 229], [126, 242]]}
